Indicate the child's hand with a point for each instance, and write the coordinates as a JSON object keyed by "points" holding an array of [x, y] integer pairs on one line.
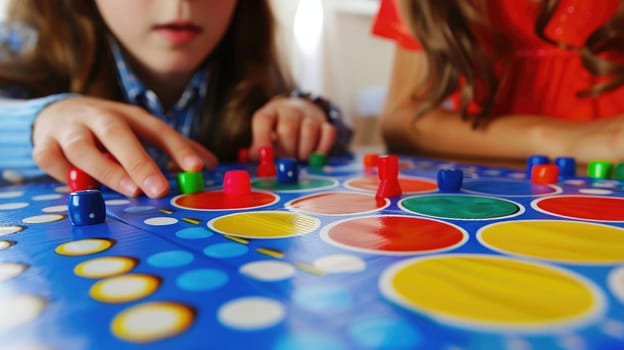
{"points": [[78, 130], [295, 127]]}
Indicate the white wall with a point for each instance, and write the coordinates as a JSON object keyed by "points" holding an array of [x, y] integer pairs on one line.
{"points": [[349, 64]]}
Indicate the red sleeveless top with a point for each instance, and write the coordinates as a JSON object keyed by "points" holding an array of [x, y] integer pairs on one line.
{"points": [[539, 78]]}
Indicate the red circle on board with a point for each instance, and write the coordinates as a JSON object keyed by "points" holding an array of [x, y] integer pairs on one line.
{"points": [[218, 200], [408, 185], [584, 207], [395, 234], [336, 203]]}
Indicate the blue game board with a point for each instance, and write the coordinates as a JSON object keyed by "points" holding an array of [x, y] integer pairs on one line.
{"points": [[320, 264]]}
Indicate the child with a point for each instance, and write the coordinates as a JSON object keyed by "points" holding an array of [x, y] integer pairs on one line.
{"points": [[193, 81], [505, 78]]}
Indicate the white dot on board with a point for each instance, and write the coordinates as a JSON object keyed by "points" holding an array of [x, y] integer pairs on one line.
{"points": [[19, 309], [613, 328], [13, 176], [517, 175], [117, 202], [40, 219], [268, 270], [340, 263], [251, 313], [11, 194], [10, 270], [62, 189], [9, 230], [160, 221], [45, 197], [15, 205], [55, 209], [595, 191]]}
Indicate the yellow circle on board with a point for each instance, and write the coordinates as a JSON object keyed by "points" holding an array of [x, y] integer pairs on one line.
{"points": [[554, 240], [84, 247], [264, 224], [105, 266], [492, 292], [124, 288], [152, 321]]}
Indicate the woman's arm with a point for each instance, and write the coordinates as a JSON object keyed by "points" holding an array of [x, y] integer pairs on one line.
{"points": [[443, 133]]}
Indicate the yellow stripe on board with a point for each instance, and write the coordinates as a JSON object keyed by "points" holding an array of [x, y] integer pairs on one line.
{"points": [[265, 224]]}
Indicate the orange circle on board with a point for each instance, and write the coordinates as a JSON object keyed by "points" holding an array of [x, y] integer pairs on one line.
{"points": [[338, 203], [408, 185]]}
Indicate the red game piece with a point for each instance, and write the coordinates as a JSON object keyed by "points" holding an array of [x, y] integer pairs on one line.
{"points": [[266, 167], [236, 182], [243, 155], [78, 180], [544, 174], [389, 177], [370, 160]]}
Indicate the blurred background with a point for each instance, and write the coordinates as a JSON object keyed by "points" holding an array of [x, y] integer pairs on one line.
{"points": [[331, 51]]}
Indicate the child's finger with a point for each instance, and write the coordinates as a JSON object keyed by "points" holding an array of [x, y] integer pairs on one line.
{"points": [[50, 158], [120, 140], [288, 125], [327, 138], [209, 159], [262, 128], [309, 137]]}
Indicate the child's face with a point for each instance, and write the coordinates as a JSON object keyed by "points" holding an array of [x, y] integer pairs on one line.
{"points": [[167, 37]]}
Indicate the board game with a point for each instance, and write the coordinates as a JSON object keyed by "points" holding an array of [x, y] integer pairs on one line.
{"points": [[503, 263]]}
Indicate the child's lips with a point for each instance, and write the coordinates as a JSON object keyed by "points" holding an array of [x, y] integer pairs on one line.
{"points": [[178, 33]]}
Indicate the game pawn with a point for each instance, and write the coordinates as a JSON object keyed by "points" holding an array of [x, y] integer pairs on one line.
{"points": [[78, 180], [236, 183], [388, 177], [266, 167]]}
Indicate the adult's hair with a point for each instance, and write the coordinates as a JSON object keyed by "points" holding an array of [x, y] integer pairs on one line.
{"points": [[457, 60], [72, 54]]}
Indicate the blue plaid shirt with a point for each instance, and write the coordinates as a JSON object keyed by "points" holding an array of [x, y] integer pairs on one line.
{"points": [[185, 116]]}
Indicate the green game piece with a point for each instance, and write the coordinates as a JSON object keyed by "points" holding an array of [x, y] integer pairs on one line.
{"points": [[317, 160], [190, 182], [600, 169], [619, 172]]}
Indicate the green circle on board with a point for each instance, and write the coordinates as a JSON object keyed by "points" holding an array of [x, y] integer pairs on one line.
{"points": [[460, 206], [303, 184]]}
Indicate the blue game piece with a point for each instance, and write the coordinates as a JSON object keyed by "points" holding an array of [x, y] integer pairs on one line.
{"points": [[287, 171], [450, 180], [536, 159], [567, 166], [86, 207]]}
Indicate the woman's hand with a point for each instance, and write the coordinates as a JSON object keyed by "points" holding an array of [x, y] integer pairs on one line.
{"points": [[79, 130]]}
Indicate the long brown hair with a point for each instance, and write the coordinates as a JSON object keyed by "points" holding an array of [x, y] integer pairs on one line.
{"points": [[72, 54], [458, 63]]}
